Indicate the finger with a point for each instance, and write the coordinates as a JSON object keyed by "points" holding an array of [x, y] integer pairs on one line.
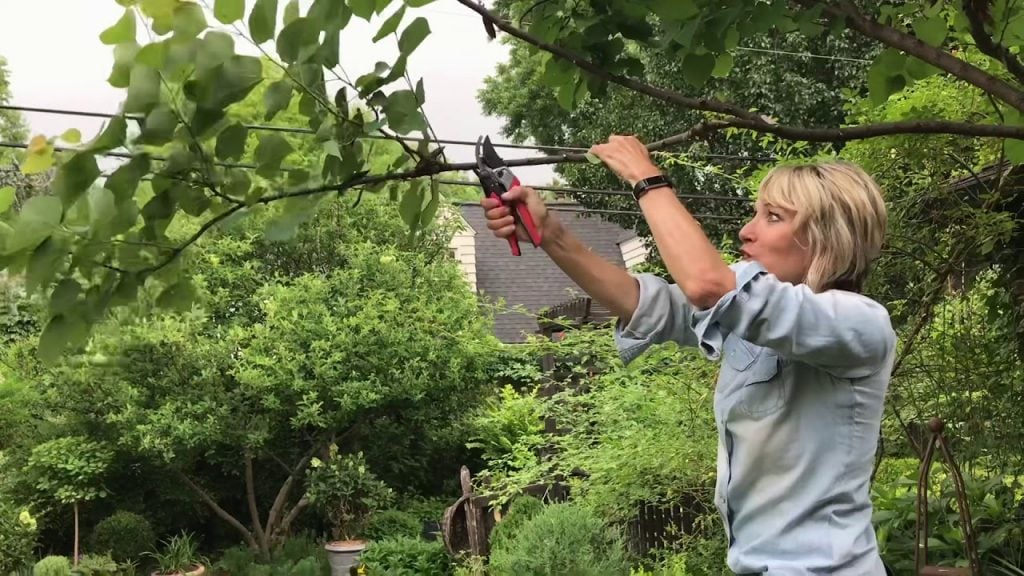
{"points": [[505, 231], [501, 223], [515, 194], [489, 203], [496, 213]]}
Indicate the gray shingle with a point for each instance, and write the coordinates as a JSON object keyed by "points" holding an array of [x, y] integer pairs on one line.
{"points": [[532, 280]]}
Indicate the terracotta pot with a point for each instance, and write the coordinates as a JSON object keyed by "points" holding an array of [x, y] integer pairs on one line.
{"points": [[199, 570], [343, 555]]}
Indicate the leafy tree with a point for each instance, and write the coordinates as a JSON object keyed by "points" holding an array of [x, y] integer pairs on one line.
{"points": [[334, 337], [12, 125], [786, 86], [70, 470]]}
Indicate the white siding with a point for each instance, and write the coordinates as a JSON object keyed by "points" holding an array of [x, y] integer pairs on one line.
{"points": [[463, 247], [634, 252]]}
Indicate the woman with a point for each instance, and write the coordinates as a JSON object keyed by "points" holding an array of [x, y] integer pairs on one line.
{"points": [[806, 357]]}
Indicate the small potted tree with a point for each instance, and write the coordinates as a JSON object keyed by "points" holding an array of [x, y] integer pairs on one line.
{"points": [[70, 470], [345, 490]]}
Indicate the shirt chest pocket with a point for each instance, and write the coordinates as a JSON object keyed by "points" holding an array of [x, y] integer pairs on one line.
{"points": [[758, 378]]}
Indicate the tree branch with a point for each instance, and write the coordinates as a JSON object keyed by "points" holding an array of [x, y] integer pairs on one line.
{"points": [[912, 45], [986, 43], [706, 104], [254, 512], [742, 118], [222, 513], [286, 488], [293, 514]]}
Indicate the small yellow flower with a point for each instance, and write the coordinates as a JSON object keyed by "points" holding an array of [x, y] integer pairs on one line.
{"points": [[361, 570]]}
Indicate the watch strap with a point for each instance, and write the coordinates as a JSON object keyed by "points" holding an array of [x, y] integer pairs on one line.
{"points": [[647, 184]]}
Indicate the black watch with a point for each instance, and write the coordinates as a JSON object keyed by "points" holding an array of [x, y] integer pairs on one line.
{"points": [[647, 184]]}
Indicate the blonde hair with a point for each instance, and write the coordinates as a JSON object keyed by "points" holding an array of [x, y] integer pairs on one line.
{"points": [[839, 213]]}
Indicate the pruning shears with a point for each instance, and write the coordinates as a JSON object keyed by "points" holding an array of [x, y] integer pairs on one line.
{"points": [[497, 179]]}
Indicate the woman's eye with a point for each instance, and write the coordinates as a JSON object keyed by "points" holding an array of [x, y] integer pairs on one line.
{"points": [[774, 217]]}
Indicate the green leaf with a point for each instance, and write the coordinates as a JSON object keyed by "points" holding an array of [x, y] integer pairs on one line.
{"points": [[162, 13], [412, 204], [417, 3], [277, 98], [678, 10], [124, 61], [228, 11], [226, 84], [43, 264], [390, 25], [113, 136], [122, 31], [885, 76], [189, 21], [697, 68], [363, 8], [61, 332], [723, 65], [124, 181], [430, 209], [291, 12], [38, 161], [263, 20], [102, 207], [1014, 150], [158, 128], [215, 48], [231, 142], [38, 219], [298, 41], [178, 296], [152, 55], [592, 158], [7, 196], [270, 153], [931, 31], [72, 136], [75, 177], [413, 35], [143, 90], [65, 296], [402, 111]]}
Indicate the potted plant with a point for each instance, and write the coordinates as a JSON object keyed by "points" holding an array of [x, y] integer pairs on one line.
{"points": [[345, 490], [178, 557]]}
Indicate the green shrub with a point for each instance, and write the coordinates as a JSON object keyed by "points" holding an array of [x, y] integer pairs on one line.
{"points": [[124, 535], [521, 509], [17, 538], [392, 524], [52, 566], [406, 557], [98, 565], [564, 539]]}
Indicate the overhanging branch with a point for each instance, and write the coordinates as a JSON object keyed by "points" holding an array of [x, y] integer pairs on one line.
{"points": [[910, 44], [743, 118], [986, 43]]}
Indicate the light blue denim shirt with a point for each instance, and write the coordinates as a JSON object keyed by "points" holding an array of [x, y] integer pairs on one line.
{"points": [[798, 403]]}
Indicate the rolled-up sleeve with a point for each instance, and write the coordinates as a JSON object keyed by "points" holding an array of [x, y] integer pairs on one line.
{"points": [[846, 334], [663, 314]]}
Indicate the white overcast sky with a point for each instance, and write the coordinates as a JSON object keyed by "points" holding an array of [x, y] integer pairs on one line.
{"points": [[56, 60]]}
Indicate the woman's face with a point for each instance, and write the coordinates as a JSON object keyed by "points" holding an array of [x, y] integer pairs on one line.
{"points": [[770, 238]]}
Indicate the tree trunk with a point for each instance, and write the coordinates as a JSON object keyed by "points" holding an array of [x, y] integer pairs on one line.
{"points": [[254, 512], [75, 557]]}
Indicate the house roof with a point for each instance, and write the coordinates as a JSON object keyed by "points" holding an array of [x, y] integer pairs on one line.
{"points": [[532, 280]]}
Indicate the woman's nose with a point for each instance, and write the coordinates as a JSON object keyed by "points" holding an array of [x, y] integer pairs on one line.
{"points": [[747, 232]]}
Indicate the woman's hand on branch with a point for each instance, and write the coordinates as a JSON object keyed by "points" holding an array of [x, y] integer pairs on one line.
{"points": [[627, 157]]}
